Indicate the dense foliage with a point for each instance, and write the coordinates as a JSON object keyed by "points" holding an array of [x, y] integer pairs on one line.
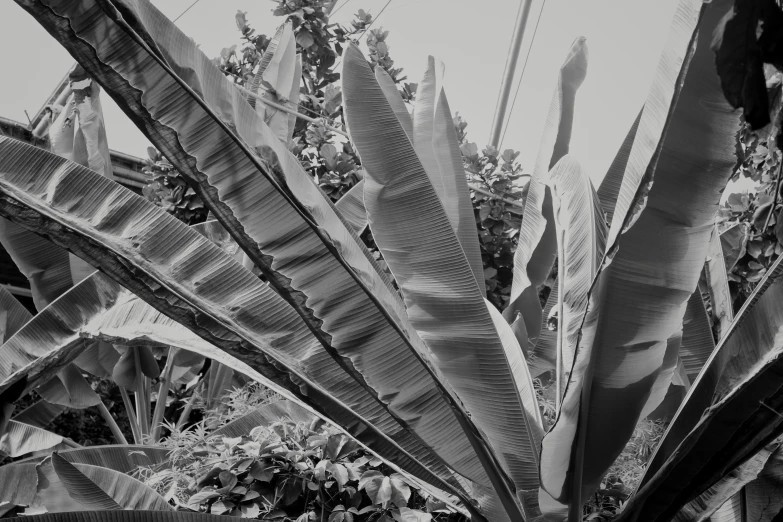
{"points": [[425, 372], [285, 470]]}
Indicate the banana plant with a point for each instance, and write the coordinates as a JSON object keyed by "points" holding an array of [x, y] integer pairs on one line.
{"points": [[419, 369]]}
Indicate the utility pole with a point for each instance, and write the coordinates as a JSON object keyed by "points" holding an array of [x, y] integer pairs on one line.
{"points": [[508, 73]]}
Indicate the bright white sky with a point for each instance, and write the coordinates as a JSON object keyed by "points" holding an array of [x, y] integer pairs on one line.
{"points": [[471, 37]]}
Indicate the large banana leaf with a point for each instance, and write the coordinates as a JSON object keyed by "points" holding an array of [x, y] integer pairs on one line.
{"points": [[519, 370], [129, 320], [218, 382], [105, 465], [397, 104], [682, 157], [263, 416], [90, 146], [21, 439], [69, 389], [697, 340], [613, 179], [46, 268], [269, 53], [543, 355], [697, 337], [124, 458], [120, 317], [98, 359], [687, 349], [758, 480], [581, 238], [537, 246], [177, 265], [730, 413], [78, 134], [351, 206], [435, 143], [12, 315], [716, 273], [279, 73], [125, 516], [444, 301], [763, 501], [40, 414], [63, 486], [269, 204]]}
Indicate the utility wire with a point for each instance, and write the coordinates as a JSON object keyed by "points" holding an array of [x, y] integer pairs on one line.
{"points": [[374, 20], [338, 8], [521, 75], [185, 11]]}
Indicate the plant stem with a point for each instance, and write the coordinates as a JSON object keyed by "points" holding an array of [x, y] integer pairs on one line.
{"points": [[134, 423], [141, 399], [185, 415], [144, 405], [163, 393], [774, 201], [115, 430]]}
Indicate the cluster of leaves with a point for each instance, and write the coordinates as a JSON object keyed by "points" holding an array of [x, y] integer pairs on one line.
{"points": [[235, 403], [335, 170], [288, 471], [379, 56], [319, 43], [752, 222], [331, 160], [168, 189], [497, 219]]}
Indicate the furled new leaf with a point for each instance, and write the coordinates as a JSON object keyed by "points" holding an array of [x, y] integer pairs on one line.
{"points": [[537, 248], [444, 301], [581, 238]]}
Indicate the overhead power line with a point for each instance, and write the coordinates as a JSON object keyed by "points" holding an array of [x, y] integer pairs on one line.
{"points": [[339, 7], [185, 11], [521, 75], [375, 19]]}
